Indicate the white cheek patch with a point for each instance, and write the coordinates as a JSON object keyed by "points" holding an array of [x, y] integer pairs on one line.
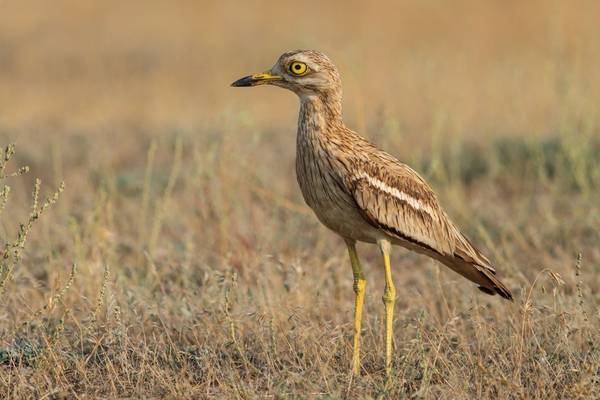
{"points": [[309, 80]]}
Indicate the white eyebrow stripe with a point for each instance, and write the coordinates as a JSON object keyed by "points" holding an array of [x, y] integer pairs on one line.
{"points": [[394, 192]]}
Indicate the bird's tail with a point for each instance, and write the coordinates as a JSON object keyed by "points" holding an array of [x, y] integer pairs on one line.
{"points": [[470, 263]]}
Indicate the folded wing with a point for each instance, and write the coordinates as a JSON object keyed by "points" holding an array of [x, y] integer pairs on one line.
{"points": [[393, 197]]}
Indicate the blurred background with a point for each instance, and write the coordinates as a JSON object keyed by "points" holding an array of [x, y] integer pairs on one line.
{"points": [[477, 67], [196, 256]]}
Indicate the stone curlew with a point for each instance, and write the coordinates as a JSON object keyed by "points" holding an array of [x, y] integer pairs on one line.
{"points": [[364, 194]]}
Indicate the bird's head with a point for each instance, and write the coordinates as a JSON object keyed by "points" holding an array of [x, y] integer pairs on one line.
{"points": [[304, 72]]}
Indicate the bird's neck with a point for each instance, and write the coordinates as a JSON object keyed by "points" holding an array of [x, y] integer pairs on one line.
{"points": [[319, 114]]}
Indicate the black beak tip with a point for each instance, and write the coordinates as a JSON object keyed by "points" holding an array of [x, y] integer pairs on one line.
{"points": [[243, 82]]}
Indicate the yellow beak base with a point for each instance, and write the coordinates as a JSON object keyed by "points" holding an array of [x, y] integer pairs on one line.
{"points": [[256, 79]]}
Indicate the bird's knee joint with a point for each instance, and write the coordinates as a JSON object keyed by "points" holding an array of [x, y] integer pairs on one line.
{"points": [[359, 285], [389, 296]]}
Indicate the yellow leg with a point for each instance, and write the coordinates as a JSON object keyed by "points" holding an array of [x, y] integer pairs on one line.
{"points": [[389, 297], [359, 292]]}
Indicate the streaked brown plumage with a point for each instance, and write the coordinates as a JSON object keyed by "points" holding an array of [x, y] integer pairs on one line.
{"points": [[361, 192]]}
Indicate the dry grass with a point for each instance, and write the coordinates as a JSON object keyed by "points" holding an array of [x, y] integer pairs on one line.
{"points": [[180, 261]]}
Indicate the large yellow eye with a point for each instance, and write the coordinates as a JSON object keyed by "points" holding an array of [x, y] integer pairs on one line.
{"points": [[298, 68]]}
